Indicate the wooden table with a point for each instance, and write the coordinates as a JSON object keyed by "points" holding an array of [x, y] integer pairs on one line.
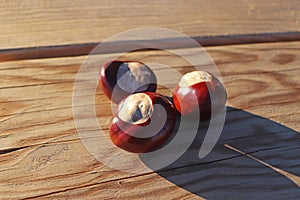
{"points": [[256, 46]]}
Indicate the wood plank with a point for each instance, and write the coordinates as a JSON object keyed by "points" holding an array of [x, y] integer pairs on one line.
{"points": [[42, 156], [145, 187], [223, 165], [32, 23]]}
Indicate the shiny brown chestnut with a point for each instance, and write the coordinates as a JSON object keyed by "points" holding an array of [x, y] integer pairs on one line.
{"points": [[197, 93], [143, 122], [119, 79]]}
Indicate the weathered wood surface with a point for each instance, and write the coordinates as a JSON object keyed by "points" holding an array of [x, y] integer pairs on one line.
{"points": [[42, 155], [32, 23]]}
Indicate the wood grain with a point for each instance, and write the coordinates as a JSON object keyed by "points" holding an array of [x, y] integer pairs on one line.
{"points": [[42, 155], [32, 23]]}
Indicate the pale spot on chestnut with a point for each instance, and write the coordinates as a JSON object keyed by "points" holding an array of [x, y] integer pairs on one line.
{"points": [[194, 77], [119, 79], [133, 75], [136, 109]]}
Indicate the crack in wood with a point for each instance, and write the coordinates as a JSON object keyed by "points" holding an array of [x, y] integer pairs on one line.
{"points": [[38, 84], [11, 150], [295, 179]]}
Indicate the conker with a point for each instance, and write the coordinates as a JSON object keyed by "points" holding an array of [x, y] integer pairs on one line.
{"points": [[197, 92], [118, 79], [143, 122]]}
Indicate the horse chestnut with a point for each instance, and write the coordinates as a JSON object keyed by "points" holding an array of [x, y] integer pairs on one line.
{"points": [[119, 79], [199, 90], [143, 122]]}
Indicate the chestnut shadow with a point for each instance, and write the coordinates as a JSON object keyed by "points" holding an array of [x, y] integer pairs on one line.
{"points": [[269, 170]]}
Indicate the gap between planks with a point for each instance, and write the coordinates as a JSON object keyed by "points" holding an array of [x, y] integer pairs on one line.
{"points": [[123, 46]]}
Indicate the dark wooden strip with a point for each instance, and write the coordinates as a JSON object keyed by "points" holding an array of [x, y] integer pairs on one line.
{"points": [[124, 46]]}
